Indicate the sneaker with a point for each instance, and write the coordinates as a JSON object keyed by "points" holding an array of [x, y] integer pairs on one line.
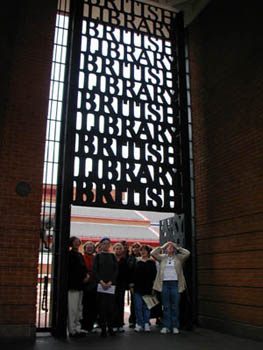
{"points": [[121, 330], [164, 330], [175, 331], [138, 328], [115, 329], [147, 327], [93, 330]]}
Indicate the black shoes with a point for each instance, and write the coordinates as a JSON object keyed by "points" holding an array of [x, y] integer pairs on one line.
{"points": [[77, 335], [111, 332], [104, 333]]}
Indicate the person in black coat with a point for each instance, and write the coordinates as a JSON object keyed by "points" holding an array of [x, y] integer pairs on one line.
{"points": [[77, 277], [105, 269], [121, 287], [143, 276], [135, 253]]}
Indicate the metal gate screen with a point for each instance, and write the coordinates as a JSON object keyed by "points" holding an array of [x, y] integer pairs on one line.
{"points": [[126, 152]]}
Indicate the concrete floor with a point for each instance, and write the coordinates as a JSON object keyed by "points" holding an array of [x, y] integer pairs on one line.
{"points": [[199, 339]]}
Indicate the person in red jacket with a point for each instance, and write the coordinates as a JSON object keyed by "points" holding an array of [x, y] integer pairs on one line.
{"points": [[122, 283], [90, 290]]}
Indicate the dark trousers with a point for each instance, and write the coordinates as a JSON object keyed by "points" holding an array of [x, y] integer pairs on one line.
{"points": [[118, 319], [106, 303], [132, 317], [89, 309]]}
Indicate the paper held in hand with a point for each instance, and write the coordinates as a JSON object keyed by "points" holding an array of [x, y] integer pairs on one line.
{"points": [[150, 301], [110, 290]]}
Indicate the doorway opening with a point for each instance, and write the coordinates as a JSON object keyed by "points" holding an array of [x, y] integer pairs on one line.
{"points": [[117, 129]]}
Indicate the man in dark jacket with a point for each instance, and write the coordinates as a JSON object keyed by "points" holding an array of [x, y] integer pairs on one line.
{"points": [[105, 269]]}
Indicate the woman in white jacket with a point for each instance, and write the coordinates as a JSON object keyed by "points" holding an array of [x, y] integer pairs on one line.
{"points": [[170, 282]]}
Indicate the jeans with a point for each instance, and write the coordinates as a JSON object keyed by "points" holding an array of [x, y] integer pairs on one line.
{"points": [[141, 310], [170, 300]]}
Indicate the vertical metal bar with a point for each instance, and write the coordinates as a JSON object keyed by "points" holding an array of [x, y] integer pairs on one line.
{"points": [[179, 34], [191, 164], [62, 26], [65, 183]]}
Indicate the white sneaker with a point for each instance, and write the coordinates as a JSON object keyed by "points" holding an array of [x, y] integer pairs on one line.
{"points": [[175, 331], [138, 328], [115, 329], [147, 327], [164, 330]]}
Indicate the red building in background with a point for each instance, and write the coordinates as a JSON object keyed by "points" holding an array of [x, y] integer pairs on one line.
{"points": [[90, 224]]}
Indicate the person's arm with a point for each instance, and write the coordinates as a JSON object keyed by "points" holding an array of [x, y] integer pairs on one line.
{"points": [[95, 268], [156, 253], [153, 270], [132, 275], [127, 274], [116, 268], [183, 254], [84, 270]]}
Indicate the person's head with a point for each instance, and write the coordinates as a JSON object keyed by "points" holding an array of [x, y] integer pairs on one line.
{"points": [[105, 244], [118, 249], [136, 248], [170, 249], [145, 251], [125, 245], [89, 248], [74, 242], [98, 247], [49, 222]]}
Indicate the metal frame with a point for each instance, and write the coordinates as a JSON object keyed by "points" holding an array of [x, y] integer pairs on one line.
{"points": [[51, 165], [64, 191], [64, 186], [186, 171], [181, 227]]}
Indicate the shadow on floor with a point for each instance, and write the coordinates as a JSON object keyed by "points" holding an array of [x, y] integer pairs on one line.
{"points": [[198, 339]]}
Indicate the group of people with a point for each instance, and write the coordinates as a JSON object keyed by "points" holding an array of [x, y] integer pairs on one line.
{"points": [[99, 278]]}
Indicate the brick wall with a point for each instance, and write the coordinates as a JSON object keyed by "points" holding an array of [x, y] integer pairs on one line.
{"points": [[226, 55], [27, 31]]}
